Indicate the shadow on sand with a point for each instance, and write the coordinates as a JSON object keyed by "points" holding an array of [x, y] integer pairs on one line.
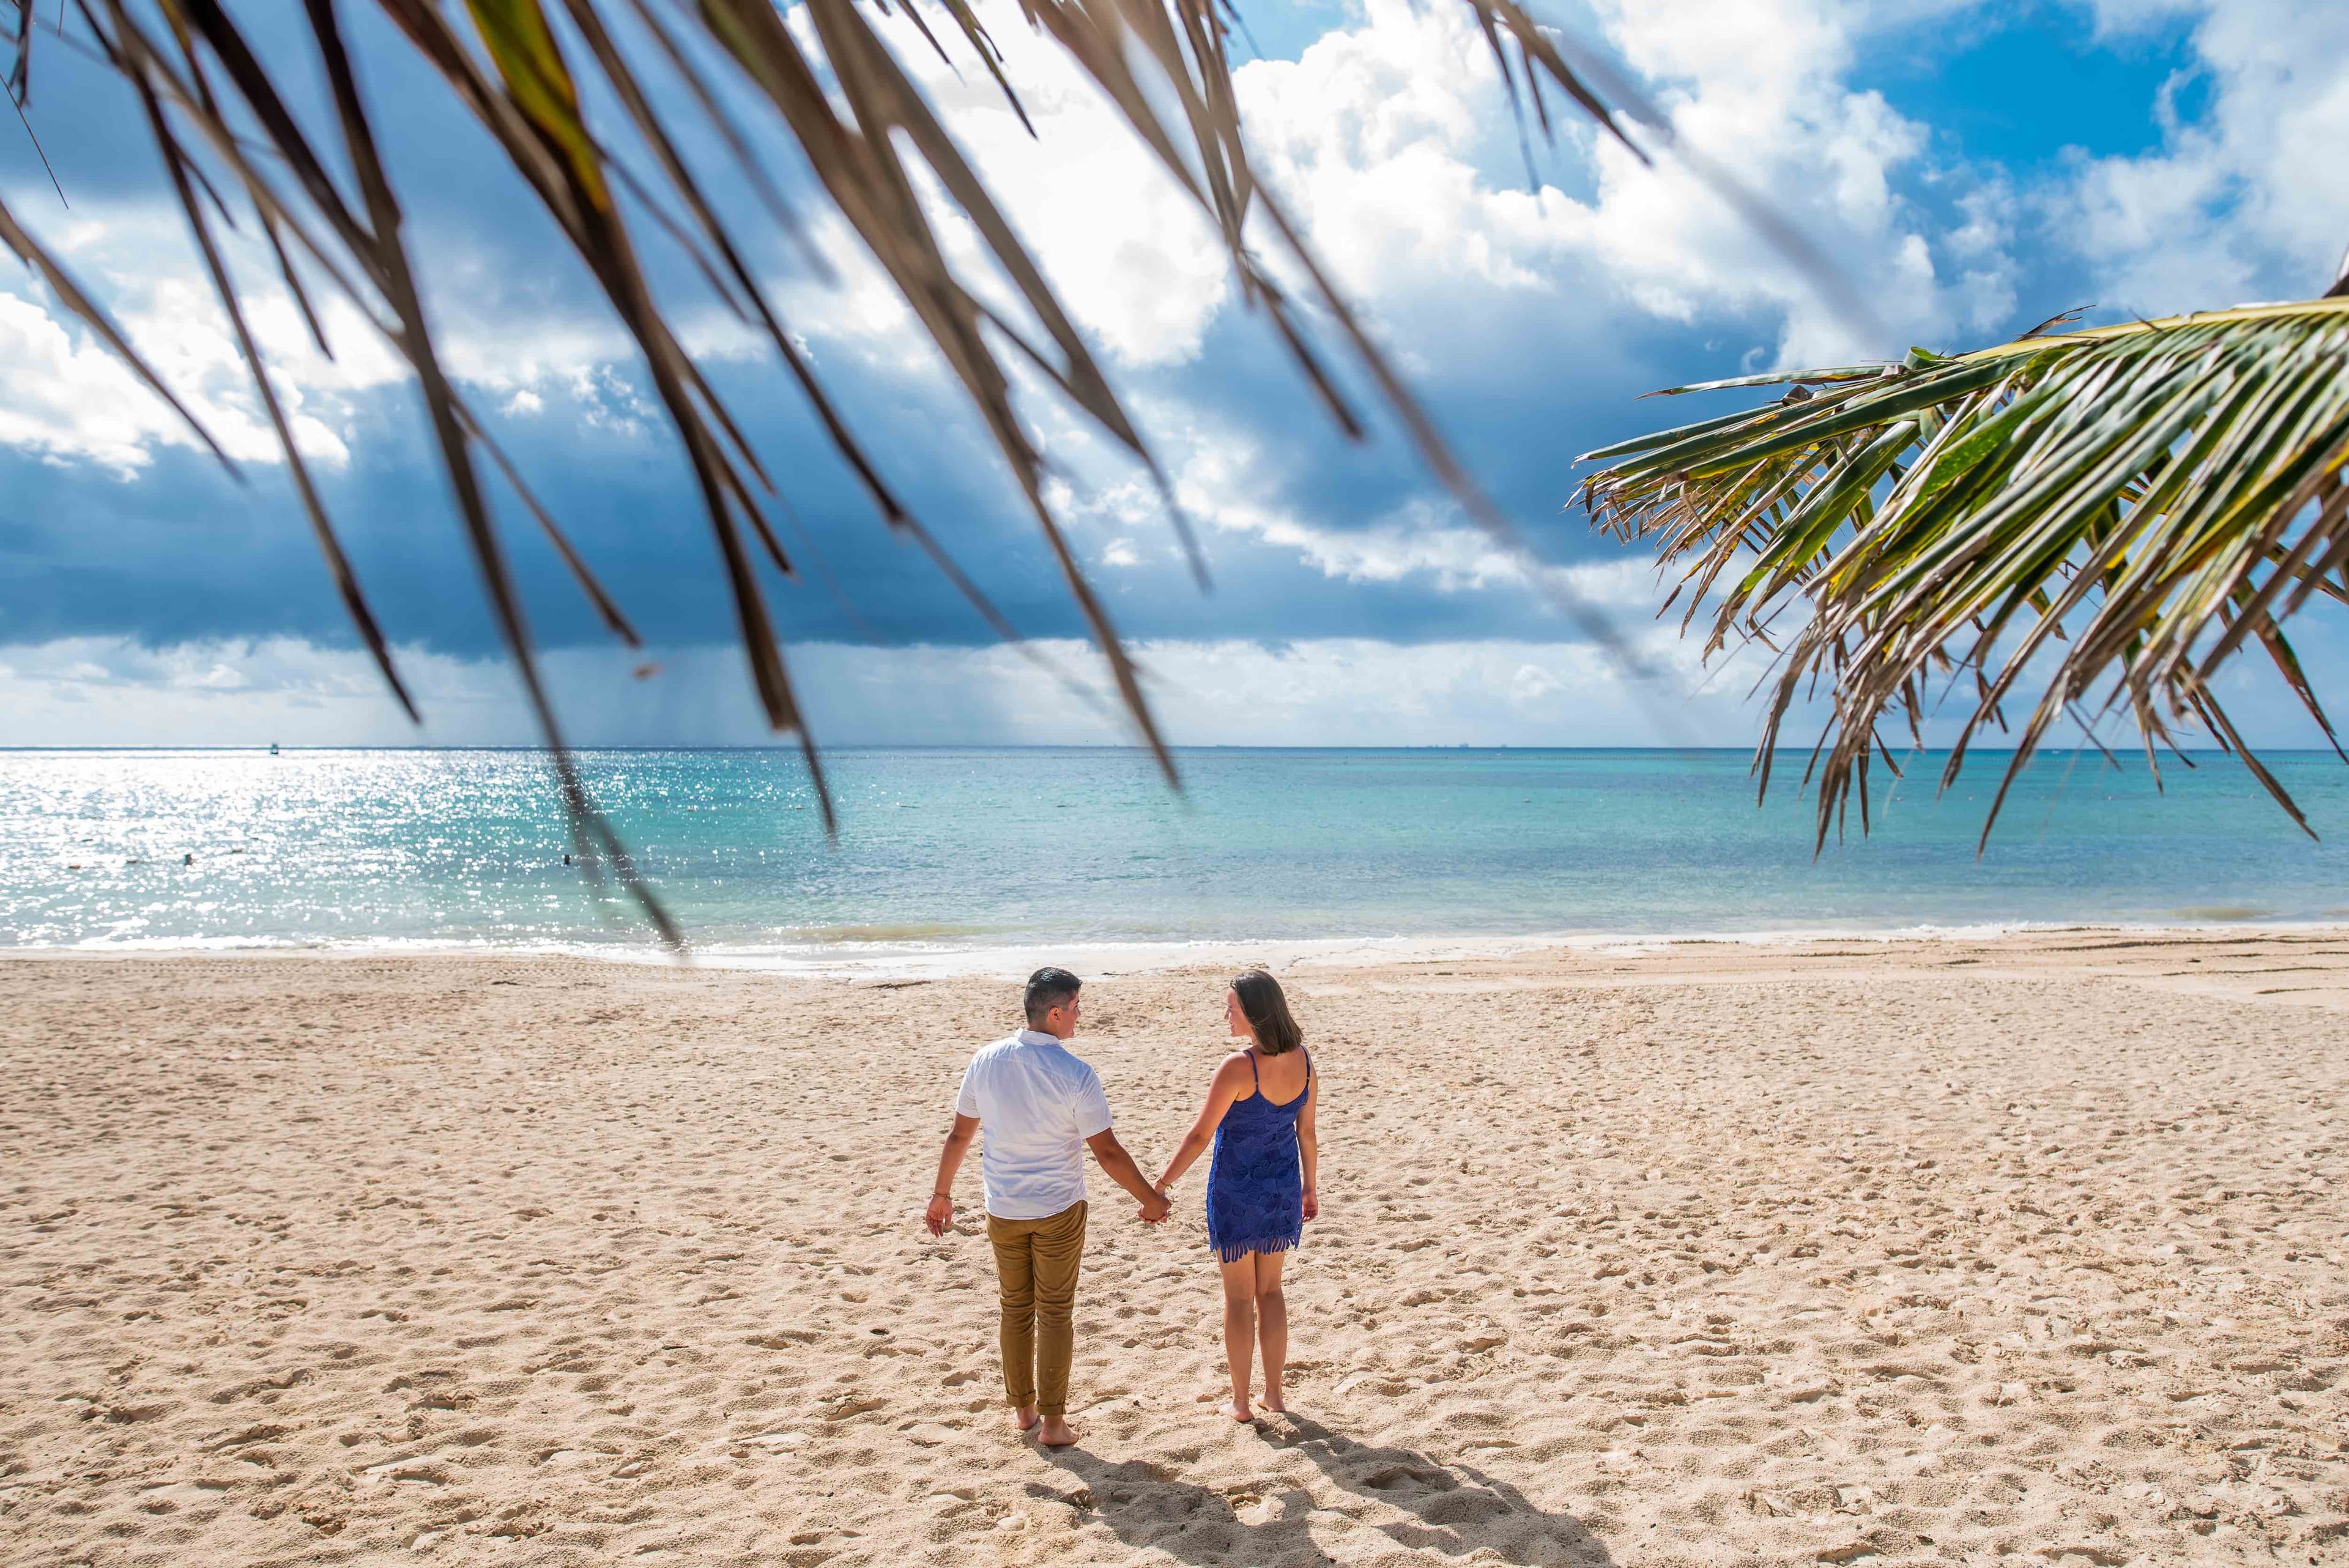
{"points": [[1448, 1510]]}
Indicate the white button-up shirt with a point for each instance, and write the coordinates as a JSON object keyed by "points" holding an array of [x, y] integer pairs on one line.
{"points": [[1037, 1102]]}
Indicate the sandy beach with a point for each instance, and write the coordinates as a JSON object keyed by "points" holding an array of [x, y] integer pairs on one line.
{"points": [[1819, 1252]]}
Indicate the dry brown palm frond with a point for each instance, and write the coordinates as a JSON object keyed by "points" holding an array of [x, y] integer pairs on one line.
{"points": [[2106, 516], [848, 113]]}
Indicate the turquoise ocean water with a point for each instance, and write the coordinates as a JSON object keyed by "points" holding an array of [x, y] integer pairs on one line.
{"points": [[981, 849]]}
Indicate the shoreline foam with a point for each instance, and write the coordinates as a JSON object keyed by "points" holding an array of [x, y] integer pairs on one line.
{"points": [[899, 960]]}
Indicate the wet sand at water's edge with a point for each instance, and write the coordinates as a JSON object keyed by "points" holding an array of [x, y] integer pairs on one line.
{"points": [[1823, 1252]]}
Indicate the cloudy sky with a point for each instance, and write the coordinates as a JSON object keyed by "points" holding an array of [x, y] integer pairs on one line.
{"points": [[1973, 168]]}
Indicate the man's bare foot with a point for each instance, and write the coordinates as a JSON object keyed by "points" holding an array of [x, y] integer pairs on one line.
{"points": [[1024, 1416], [1237, 1410], [1056, 1432], [1272, 1401]]}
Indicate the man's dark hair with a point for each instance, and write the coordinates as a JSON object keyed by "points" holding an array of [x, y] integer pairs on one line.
{"points": [[1047, 989]]}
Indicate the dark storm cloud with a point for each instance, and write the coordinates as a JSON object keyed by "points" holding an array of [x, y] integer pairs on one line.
{"points": [[179, 551]]}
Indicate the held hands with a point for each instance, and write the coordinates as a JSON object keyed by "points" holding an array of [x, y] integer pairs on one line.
{"points": [[1157, 1207], [939, 1214]]}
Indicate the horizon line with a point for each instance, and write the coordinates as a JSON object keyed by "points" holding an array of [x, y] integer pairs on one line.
{"points": [[792, 748]]}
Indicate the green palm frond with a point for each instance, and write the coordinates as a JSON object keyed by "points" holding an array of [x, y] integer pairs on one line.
{"points": [[847, 112], [2104, 518]]}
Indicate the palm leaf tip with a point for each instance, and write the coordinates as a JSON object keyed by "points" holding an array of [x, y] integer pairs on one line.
{"points": [[2099, 519]]}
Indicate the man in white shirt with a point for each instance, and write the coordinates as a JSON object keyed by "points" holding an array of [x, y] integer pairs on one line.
{"points": [[1039, 1106]]}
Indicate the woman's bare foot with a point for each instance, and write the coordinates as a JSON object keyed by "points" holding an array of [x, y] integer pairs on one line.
{"points": [[1237, 1410], [1272, 1401], [1024, 1416], [1056, 1432]]}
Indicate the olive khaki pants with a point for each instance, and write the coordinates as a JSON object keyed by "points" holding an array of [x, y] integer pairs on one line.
{"points": [[1036, 1270]]}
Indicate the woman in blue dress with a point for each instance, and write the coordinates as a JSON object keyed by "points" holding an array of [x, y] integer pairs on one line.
{"points": [[1260, 1116]]}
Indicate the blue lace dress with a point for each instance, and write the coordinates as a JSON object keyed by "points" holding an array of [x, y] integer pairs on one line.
{"points": [[1256, 1183]]}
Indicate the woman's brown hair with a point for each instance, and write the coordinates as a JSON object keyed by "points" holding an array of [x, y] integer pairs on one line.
{"points": [[1268, 1012]]}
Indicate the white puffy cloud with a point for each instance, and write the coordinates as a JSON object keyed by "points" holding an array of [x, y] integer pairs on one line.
{"points": [[65, 398], [1383, 135], [64, 394], [2249, 198], [1390, 140], [1129, 255]]}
